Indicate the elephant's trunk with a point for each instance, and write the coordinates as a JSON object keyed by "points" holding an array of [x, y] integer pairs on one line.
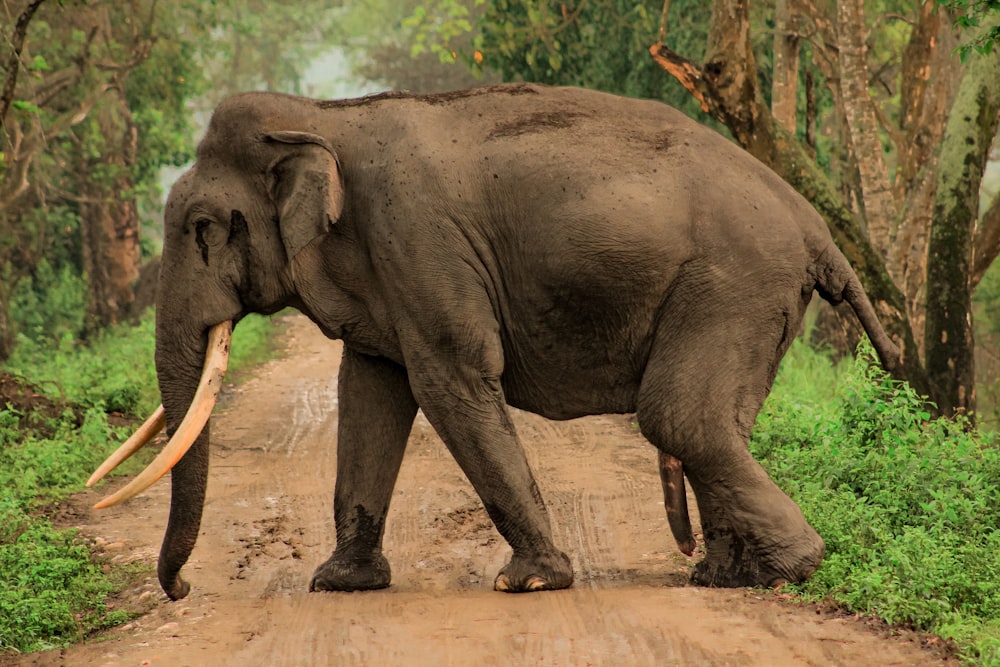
{"points": [[188, 480], [187, 405], [195, 418], [187, 402]]}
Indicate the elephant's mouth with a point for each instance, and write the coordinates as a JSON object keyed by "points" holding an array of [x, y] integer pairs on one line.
{"points": [[216, 362]]}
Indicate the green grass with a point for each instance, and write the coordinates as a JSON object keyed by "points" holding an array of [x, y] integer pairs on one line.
{"points": [[52, 590], [909, 506]]}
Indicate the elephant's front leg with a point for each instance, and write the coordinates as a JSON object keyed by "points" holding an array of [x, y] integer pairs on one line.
{"points": [[377, 410], [469, 412]]}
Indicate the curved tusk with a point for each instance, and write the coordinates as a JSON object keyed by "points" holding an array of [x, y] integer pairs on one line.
{"points": [[141, 437], [216, 362]]}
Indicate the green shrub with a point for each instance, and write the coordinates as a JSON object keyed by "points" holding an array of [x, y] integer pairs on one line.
{"points": [[49, 305], [53, 592], [909, 506], [115, 371]]}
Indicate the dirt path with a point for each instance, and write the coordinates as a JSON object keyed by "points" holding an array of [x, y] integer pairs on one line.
{"points": [[268, 524]]}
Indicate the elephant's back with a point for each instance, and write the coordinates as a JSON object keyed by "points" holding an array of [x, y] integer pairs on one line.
{"points": [[557, 167]]}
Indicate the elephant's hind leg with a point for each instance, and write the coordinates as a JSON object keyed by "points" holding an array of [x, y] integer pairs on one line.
{"points": [[376, 412], [700, 395]]}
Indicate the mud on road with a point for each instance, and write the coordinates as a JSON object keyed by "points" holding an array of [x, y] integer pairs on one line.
{"points": [[268, 524]]}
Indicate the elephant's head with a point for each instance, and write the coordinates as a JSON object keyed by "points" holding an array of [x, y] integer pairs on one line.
{"points": [[261, 190]]}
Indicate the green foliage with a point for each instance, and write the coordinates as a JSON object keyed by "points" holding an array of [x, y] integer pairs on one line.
{"points": [[51, 304], [601, 45], [982, 18], [158, 93], [53, 591], [414, 51], [114, 372], [38, 469], [909, 507], [104, 101], [451, 20]]}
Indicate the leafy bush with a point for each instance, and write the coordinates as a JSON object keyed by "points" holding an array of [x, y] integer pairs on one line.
{"points": [[908, 506], [53, 591], [50, 304], [115, 371]]}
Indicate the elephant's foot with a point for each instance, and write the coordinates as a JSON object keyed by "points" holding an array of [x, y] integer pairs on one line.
{"points": [[755, 535], [735, 562], [341, 573], [539, 572]]}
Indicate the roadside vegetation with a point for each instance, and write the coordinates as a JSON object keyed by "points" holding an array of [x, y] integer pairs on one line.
{"points": [[909, 505]]}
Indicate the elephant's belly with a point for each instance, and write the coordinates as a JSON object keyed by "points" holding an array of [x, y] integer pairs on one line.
{"points": [[566, 387], [582, 353]]}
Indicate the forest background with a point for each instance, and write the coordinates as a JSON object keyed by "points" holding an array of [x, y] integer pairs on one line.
{"points": [[883, 114]]}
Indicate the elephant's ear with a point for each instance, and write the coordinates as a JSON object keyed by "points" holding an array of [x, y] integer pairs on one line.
{"points": [[307, 187]]}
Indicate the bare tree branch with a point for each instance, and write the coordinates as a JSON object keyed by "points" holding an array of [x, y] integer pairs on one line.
{"points": [[14, 61], [24, 149], [663, 21], [686, 72], [15, 180]]}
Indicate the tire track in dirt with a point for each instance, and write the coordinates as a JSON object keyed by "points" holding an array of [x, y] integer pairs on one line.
{"points": [[268, 524]]}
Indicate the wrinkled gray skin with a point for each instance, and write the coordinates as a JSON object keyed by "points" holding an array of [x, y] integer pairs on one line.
{"points": [[559, 250]]}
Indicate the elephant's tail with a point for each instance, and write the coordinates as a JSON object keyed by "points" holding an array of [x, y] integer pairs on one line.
{"points": [[836, 281], [675, 502]]}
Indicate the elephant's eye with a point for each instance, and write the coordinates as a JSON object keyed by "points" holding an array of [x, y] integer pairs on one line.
{"points": [[197, 224], [209, 234]]}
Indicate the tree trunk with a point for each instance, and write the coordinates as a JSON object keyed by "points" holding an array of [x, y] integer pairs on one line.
{"points": [[6, 333], [972, 124], [109, 219], [862, 123], [929, 81], [986, 245], [785, 85]]}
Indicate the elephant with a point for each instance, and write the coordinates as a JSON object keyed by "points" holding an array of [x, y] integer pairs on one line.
{"points": [[559, 250]]}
